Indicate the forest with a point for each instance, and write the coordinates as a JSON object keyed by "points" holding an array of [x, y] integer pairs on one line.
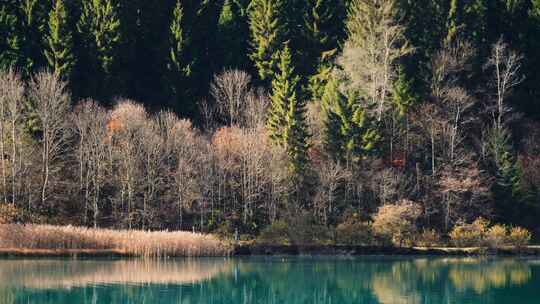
{"points": [[295, 121]]}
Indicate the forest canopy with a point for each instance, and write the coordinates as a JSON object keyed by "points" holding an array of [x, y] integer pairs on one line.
{"points": [[255, 116]]}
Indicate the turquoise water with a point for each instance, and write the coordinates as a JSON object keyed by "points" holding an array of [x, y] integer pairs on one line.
{"points": [[272, 280]]}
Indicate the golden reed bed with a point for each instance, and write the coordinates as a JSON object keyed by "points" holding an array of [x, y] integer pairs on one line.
{"points": [[69, 239]]}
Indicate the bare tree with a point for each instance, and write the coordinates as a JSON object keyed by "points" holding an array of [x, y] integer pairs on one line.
{"points": [[331, 177], [376, 41], [127, 119], [153, 159], [465, 193], [208, 114], [506, 65], [448, 66], [254, 112], [90, 122], [230, 90], [11, 109], [51, 105], [456, 102], [445, 117]]}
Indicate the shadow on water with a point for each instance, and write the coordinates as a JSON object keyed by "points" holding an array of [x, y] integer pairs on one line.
{"points": [[272, 280]]}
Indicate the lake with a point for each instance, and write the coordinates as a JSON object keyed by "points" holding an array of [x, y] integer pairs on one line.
{"points": [[328, 280]]}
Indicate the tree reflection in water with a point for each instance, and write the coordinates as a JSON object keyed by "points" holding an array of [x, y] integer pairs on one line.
{"points": [[271, 280]]}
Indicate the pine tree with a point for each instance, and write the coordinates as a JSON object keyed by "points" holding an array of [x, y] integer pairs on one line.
{"points": [[348, 134], [59, 50], [286, 122], [266, 24], [99, 24]]}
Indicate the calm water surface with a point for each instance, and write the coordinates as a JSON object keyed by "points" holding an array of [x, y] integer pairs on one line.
{"points": [[272, 280]]}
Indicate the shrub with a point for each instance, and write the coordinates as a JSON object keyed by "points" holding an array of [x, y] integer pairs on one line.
{"points": [[469, 235], [354, 232], [496, 236], [276, 233], [519, 237], [8, 213], [225, 230], [305, 229], [397, 221], [428, 238]]}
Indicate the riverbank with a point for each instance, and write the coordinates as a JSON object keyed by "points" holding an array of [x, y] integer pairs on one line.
{"points": [[69, 241], [246, 250], [257, 250], [34, 241]]}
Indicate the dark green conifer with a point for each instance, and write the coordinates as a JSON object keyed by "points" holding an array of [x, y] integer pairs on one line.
{"points": [[348, 134], [267, 28], [286, 122], [59, 51]]}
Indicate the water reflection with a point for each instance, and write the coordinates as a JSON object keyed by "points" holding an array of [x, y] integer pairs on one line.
{"points": [[54, 274], [272, 280]]}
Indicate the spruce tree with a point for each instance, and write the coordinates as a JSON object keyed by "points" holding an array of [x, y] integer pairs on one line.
{"points": [[231, 36], [508, 184], [177, 44], [333, 106], [286, 122], [348, 135], [59, 51], [99, 25], [32, 27], [467, 19], [9, 40], [404, 95], [323, 27], [267, 28]]}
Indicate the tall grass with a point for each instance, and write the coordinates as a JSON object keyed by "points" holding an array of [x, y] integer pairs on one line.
{"points": [[129, 242]]}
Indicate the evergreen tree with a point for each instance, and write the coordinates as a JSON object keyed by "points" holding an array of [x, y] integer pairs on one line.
{"points": [[347, 132], [179, 66], [59, 51], [467, 19], [178, 44], [286, 122], [231, 36], [510, 195], [9, 40], [404, 95], [322, 28], [267, 28], [99, 24], [32, 26]]}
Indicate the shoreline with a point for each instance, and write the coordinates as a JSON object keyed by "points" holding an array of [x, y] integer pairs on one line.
{"points": [[278, 250]]}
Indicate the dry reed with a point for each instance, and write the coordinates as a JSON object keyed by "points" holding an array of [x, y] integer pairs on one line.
{"points": [[129, 242]]}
